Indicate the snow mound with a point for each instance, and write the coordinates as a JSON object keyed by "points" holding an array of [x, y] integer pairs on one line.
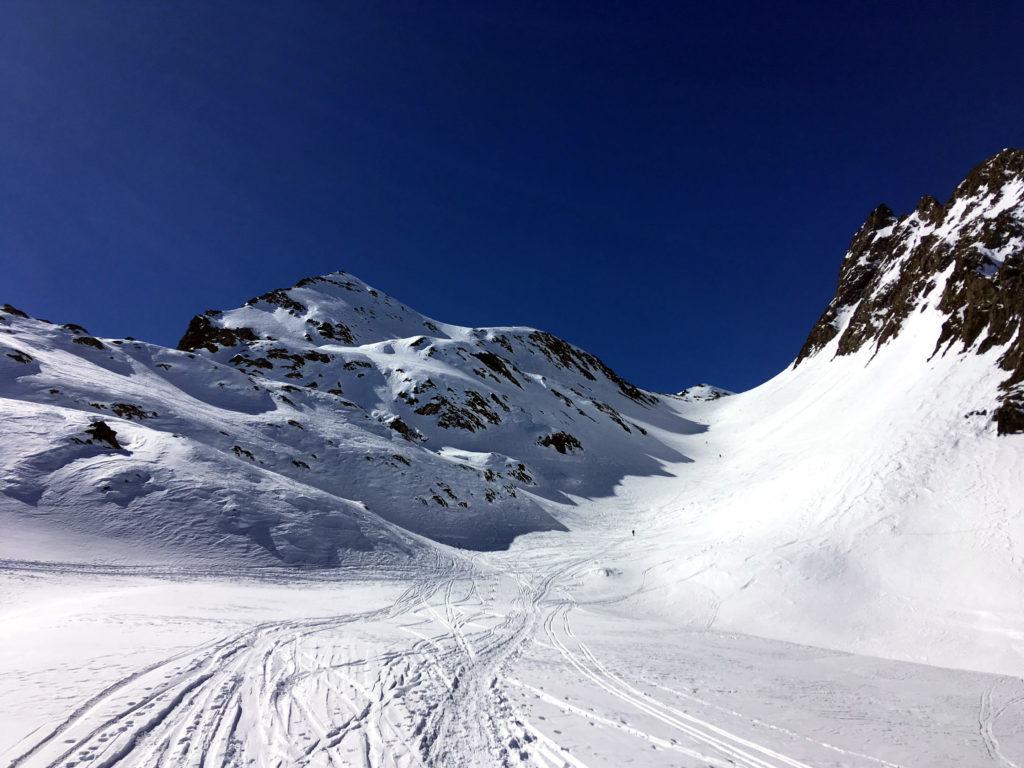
{"points": [[703, 393]]}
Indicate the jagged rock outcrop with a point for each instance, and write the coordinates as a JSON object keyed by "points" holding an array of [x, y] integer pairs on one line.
{"points": [[963, 259]]}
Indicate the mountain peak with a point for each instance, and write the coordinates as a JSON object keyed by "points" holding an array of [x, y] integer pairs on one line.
{"points": [[335, 308], [703, 393], [929, 209], [880, 217], [991, 175]]}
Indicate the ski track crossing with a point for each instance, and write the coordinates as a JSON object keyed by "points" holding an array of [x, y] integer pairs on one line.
{"points": [[430, 680], [314, 692]]}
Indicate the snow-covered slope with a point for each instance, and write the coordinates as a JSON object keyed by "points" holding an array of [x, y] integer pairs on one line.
{"points": [[315, 424], [871, 496], [960, 262]]}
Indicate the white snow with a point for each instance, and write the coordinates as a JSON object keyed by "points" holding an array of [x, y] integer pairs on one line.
{"points": [[823, 571]]}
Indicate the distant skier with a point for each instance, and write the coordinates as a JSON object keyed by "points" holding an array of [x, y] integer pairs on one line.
{"points": [[634, 532]]}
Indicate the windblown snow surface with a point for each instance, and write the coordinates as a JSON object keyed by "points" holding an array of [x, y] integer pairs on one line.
{"points": [[538, 564]]}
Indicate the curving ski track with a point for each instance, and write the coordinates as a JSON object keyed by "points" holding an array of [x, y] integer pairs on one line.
{"points": [[433, 679]]}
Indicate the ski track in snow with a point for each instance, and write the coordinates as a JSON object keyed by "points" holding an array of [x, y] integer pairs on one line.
{"points": [[280, 693], [437, 690]]}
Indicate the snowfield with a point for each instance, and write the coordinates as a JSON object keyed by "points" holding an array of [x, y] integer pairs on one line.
{"points": [[330, 531], [542, 655]]}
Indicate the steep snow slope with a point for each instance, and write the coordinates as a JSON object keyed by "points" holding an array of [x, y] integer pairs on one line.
{"points": [[858, 504], [319, 424], [869, 497]]}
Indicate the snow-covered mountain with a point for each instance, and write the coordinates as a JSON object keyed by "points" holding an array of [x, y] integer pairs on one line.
{"points": [[702, 392], [880, 474], [310, 425]]}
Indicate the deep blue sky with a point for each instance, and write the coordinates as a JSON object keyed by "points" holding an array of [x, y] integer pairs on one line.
{"points": [[670, 187]]}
